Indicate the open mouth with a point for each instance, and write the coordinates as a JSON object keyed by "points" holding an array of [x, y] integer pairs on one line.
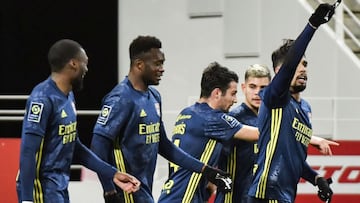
{"points": [[302, 78]]}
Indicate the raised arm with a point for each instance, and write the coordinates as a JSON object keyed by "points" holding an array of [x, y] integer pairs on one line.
{"points": [[278, 89]]}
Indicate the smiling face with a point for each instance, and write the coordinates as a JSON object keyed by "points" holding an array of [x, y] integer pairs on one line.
{"points": [[80, 65], [153, 67]]}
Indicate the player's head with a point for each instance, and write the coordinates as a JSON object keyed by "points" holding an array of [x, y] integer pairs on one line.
{"points": [[256, 78], [68, 57], [298, 83], [146, 59], [220, 84]]}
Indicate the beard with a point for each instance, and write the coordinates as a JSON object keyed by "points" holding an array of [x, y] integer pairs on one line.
{"points": [[297, 88], [149, 81], [77, 84]]}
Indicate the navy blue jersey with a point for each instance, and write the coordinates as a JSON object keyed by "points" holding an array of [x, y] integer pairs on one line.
{"points": [[285, 132], [52, 115], [132, 119], [199, 130], [238, 158]]}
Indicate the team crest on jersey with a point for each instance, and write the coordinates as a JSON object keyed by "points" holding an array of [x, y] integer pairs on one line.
{"points": [[309, 116], [229, 120], [35, 111], [104, 115], [157, 107]]}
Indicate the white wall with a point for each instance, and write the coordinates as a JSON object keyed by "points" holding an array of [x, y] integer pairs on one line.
{"points": [[190, 44]]}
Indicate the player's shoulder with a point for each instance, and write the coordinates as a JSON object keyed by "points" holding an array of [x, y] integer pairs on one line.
{"points": [[238, 110], [120, 92], [305, 105], [304, 102], [155, 92], [43, 90]]}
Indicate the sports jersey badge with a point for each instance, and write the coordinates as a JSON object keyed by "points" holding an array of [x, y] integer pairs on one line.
{"points": [[74, 107], [231, 121], [104, 115], [157, 107], [35, 111]]}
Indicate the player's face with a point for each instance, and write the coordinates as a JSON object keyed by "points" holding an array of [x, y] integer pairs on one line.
{"points": [[251, 89], [154, 69], [229, 98], [80, 70], [298, 83]]}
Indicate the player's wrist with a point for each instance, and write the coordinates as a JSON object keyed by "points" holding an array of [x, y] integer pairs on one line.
{"points": [[311, 25], [203, 168]]}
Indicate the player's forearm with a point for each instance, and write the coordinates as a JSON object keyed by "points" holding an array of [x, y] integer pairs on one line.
{"points": [[88, 159], [169, 151], [309, 174], [315, 140], [247, 133], [29, 146], [101, 147]]}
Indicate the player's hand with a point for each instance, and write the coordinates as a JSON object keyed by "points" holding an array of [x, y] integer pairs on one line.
{"points": [[112, 197], [322, 14], [323, 145], [325, 193], [220, 178], [126, 182]]}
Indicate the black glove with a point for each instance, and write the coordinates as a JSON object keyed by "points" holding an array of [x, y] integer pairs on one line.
{"points": [[220, 178], [113, 198], [322, 14], [325, 193]]}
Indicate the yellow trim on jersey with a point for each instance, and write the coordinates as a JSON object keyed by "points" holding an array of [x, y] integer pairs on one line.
{"points": [[120, 164], [273, 201], [195, 177], [231, 168], [38, 194], [276, 116]]}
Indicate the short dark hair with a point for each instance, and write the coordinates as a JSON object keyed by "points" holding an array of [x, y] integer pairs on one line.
{"points": [[279, 55], [61, 52], [141, 45], [216, 76]]}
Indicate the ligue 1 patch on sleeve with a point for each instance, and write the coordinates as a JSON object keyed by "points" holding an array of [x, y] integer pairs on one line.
{"points": [[104, 115], [229, 120], [35, 111]]}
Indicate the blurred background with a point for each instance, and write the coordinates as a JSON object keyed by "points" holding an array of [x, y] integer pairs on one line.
{"points": [[236, 33]]}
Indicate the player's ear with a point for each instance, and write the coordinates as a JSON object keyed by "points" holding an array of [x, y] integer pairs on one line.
{"points": [[72, 64], [139, 64], [216, 93], [243, 86]]}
